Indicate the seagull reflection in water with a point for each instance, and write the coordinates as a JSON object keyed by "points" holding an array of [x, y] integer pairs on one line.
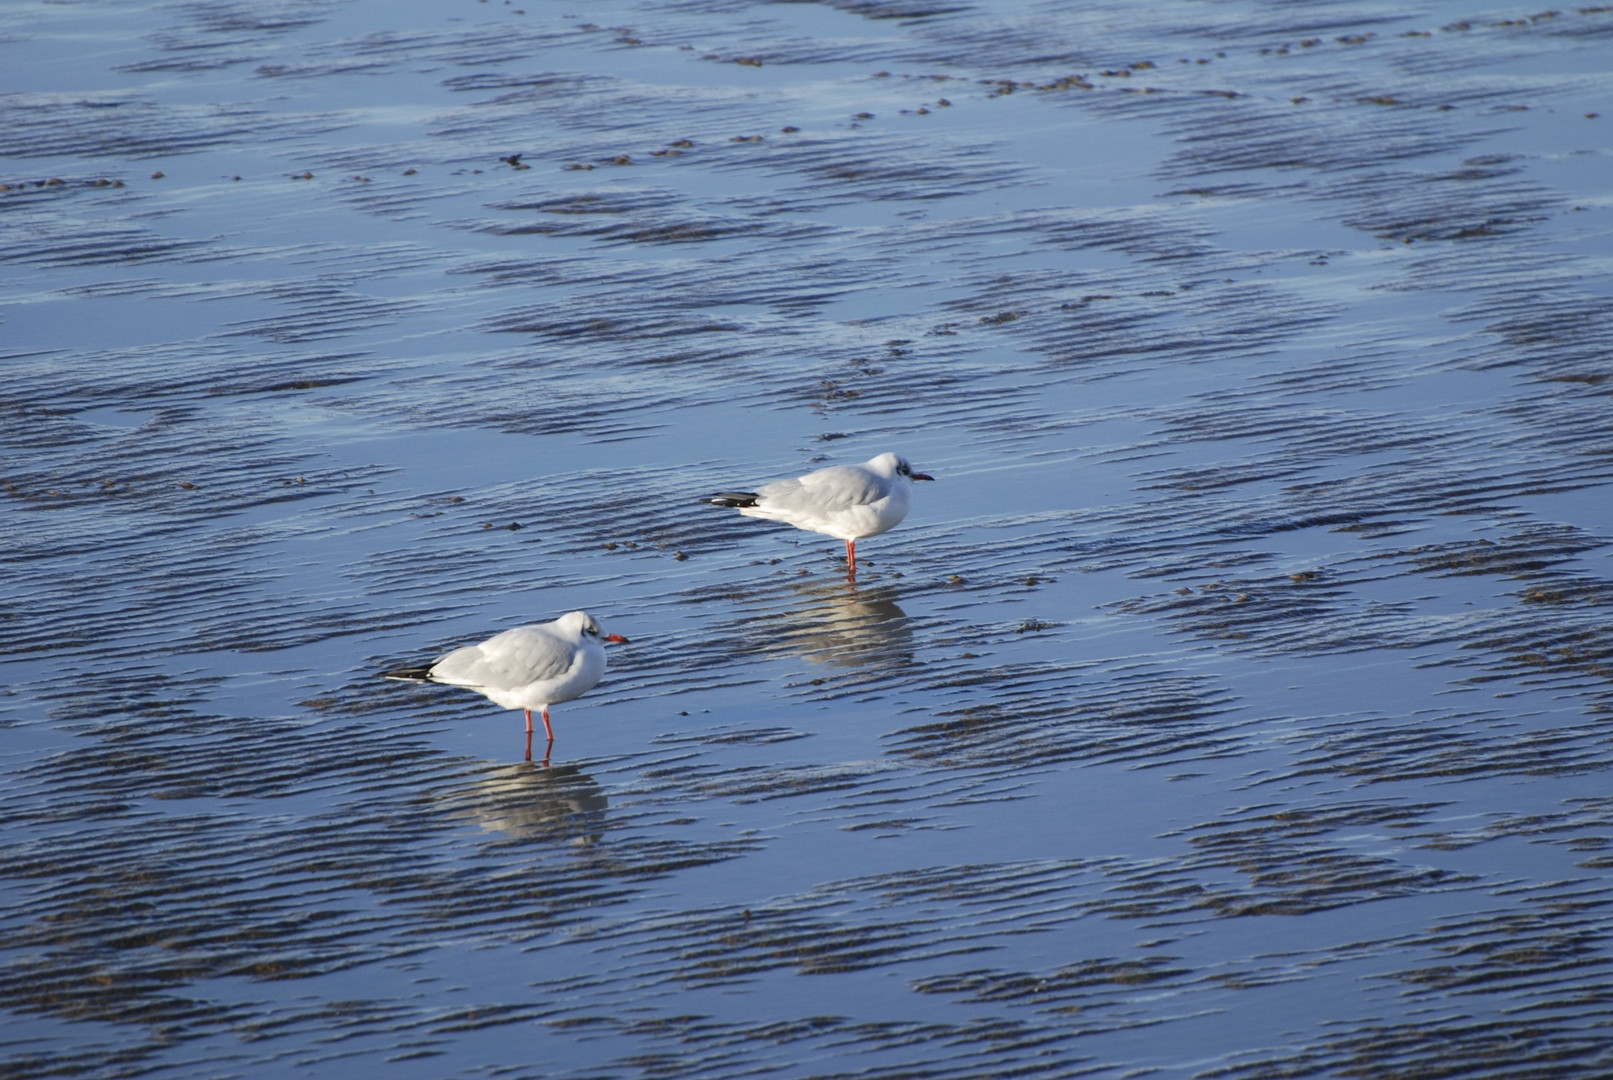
{"points": [[839, 626], [533, 802]]}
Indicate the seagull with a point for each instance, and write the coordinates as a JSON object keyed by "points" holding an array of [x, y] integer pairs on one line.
{"points": [[526, 667], [847, 502]]}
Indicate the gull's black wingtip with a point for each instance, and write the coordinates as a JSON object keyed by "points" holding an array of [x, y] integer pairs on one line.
{"points": [[737, 499], [412, 674]]}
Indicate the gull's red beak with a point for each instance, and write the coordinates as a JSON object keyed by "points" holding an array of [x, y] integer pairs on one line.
{"points": [[618, 639], [921, 476]]}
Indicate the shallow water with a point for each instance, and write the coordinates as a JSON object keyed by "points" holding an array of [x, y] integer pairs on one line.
{"points": [[1235, 704]]}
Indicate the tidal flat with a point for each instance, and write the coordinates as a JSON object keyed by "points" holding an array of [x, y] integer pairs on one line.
{"points": [[1237, 703]]}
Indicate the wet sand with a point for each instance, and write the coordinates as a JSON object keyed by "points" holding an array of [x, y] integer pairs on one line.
{"points": [[1235, 704]]}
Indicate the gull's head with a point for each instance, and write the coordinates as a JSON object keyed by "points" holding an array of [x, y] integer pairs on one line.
{"points": [[580, 626], [888, 464]]}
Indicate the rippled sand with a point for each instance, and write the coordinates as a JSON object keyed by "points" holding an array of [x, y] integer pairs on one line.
{"points": [[1235, 705]]}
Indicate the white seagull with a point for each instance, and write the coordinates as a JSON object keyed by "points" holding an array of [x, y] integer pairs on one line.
{"points": [[847, 502], [526, 667]]}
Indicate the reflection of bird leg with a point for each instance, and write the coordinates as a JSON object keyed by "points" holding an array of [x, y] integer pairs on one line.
{"points": [[546, 746]]}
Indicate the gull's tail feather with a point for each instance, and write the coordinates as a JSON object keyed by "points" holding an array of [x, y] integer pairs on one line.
{"points": [[738, 499]]}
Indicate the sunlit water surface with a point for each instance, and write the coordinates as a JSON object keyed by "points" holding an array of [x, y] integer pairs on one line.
{"points": [[1235, 704]]}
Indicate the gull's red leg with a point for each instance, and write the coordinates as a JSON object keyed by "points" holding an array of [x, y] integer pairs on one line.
{"points": [[547, 730], [851, 556], [529, 725]]}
